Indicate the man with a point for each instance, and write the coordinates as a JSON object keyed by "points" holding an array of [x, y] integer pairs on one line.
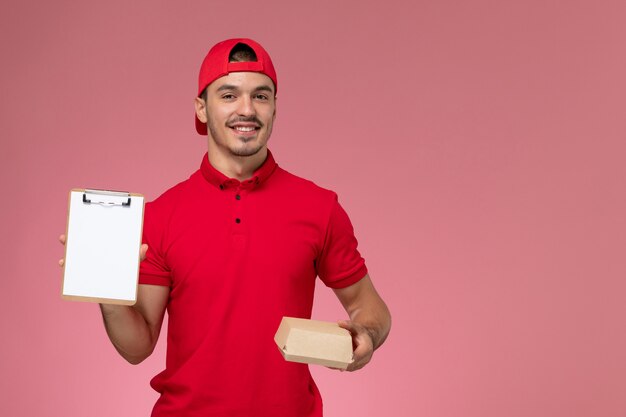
{"points": [[232, 250]]}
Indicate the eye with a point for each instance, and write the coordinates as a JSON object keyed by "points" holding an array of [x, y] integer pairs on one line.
{"points": [[263, 97], [228, 96]]}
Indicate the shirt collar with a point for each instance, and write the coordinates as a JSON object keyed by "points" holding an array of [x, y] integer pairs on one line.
{"points": [[221, 181]]}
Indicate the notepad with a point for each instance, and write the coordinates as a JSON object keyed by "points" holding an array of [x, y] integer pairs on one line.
{"points": [[102, 248]]}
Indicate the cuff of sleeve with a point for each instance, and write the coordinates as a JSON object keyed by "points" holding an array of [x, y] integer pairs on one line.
{"points": [[353, 278], [154, 280]]}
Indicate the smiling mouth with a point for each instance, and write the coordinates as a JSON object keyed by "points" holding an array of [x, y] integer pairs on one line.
{"points": [[244, 129]]}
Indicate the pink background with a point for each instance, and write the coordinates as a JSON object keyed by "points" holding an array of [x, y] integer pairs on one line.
{"points": [[477, 146]]}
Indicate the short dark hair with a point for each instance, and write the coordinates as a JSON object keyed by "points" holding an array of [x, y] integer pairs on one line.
{"points": [[240, 53]]}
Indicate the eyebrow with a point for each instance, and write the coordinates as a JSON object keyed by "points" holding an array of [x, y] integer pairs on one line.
{"points": [[264, 88], [234, 87], [227, 87]]}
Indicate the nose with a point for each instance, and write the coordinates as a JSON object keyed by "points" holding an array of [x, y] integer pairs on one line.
{"points": [[246, 107]]}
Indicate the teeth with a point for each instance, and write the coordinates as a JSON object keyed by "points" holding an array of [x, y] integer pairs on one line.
{"points": [[244, 128]]}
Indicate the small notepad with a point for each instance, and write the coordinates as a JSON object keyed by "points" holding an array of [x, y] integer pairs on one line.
{"points": [[102, 248]]}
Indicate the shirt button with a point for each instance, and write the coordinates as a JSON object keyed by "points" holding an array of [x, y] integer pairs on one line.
{"points": [[237, 220], [238, 197]]}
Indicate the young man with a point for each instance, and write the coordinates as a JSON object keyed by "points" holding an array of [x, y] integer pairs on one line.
{"points": [[232, 250]]}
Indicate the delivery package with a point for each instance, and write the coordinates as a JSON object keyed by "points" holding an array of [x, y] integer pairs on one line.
{"points": [[314, 342]]}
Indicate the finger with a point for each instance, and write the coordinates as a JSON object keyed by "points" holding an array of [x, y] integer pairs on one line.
{"points": [[348, 325], [352, 328], [359, 362], [363, 349], [143, 251], [344, 323], [62, 239], [61, 262], [355, 365]]}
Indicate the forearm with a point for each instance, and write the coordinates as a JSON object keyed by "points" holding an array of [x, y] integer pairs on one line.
{"points": [[128, 331], [366, 309]]}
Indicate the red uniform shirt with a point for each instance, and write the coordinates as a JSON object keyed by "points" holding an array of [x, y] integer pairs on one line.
{"points": [[239, 256]]}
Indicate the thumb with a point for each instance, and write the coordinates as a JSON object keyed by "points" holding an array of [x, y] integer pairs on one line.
{"points": [[142, 251], [346, 324]]}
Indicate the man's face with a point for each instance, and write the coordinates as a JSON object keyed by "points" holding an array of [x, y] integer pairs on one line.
{"points": [[239, 111]]}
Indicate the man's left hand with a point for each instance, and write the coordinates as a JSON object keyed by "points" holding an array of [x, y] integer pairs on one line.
{"points": [[362, 344]]}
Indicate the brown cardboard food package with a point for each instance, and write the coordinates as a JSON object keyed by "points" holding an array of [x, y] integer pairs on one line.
{"points": [[314, 342]]}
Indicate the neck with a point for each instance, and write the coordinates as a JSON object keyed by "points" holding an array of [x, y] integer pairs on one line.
{"points": [[233, 166]]}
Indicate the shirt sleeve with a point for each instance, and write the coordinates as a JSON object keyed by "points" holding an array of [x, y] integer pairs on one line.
{"points": [[153, 270], [340, 264]]}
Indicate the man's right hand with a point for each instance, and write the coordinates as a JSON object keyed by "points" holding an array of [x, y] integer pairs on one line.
{"points": [[142, 251], [134, 330]]}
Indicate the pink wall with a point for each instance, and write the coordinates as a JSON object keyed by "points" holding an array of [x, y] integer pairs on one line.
{"points": [[478, 147]]}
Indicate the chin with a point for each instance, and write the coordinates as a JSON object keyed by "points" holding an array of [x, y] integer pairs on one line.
{"points": [[246, 151]]}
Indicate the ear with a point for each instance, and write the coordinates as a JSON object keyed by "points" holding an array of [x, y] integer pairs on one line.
{"points": [[200, 109], [275, 107]]}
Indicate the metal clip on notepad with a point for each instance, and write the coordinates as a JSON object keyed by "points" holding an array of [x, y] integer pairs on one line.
{"points": [[100, 197]]}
